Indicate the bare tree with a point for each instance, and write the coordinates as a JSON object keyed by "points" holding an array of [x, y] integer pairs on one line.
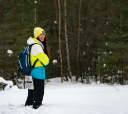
{"points": [[66, 38], [59, 28]]}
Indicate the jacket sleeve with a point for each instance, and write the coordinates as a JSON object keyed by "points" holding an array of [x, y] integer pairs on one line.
{"points": [[39, 53]]}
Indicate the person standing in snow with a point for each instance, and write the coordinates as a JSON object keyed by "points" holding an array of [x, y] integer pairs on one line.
{"points": [[38, 51]]}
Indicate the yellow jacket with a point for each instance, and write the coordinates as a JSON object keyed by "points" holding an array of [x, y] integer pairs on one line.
{"points": [[38, 53]]}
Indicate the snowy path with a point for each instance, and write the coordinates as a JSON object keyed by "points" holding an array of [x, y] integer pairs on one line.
{"points": [[69, 98]]}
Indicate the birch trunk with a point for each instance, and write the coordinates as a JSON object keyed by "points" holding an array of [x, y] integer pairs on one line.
{"points": [[59, 28], [66, 39]]}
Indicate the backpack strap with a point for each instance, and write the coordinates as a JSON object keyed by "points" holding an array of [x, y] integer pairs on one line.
{"points": [[30, 46], [42, 64], [34, 63]]}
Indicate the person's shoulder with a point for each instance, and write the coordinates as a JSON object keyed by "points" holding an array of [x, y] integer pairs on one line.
{"points": [[37, 48]]}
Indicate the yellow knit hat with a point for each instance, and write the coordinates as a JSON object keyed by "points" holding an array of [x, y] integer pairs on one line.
{"points": [[38, 31]]}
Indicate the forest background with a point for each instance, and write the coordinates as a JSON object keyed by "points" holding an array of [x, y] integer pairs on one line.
{"points": [[87, 39]]}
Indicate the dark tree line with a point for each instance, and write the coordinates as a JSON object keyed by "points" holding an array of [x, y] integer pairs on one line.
{"points": [[89, 39]]}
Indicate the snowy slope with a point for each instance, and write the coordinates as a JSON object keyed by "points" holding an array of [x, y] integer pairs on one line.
{"points": [[68, 98]]}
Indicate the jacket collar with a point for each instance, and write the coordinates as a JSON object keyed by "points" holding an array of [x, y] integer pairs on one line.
{"points": [[31, 41]]}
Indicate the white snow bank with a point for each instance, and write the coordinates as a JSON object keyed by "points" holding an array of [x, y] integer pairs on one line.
{"points": [[9, 83]]}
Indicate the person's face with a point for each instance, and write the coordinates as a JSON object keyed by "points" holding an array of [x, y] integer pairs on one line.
{"points": [[42, 37]]}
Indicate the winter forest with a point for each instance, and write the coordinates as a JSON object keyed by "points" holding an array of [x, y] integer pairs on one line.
{"points": [[87, 39]]}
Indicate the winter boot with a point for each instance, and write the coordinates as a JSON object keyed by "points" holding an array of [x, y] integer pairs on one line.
{"points": [[36, 105], [28, 103]]}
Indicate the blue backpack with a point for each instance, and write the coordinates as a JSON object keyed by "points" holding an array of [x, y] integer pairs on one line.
{"points": [[24, 62]]}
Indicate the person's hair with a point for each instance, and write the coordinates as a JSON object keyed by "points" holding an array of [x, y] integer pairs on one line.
{"points": [[45, 44]]}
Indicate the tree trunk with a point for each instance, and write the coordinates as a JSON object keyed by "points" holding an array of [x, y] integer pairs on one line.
{"points": [[106, 14], [66, 38], [78, 40], [122, 65], [14, 38], [59, 28], [35, 13], [56, 11]]}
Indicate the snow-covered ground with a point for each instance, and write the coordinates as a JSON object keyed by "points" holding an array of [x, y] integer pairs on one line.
{"points": [[68, 98]]}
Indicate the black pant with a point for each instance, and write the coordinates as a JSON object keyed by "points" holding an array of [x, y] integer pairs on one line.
{"points": [[37, 94]]}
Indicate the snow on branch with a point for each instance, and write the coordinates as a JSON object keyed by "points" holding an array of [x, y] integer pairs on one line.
{"points": [[4, 82]]}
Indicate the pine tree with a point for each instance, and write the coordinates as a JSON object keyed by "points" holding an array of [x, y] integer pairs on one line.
{"points": [[114, 48]]}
